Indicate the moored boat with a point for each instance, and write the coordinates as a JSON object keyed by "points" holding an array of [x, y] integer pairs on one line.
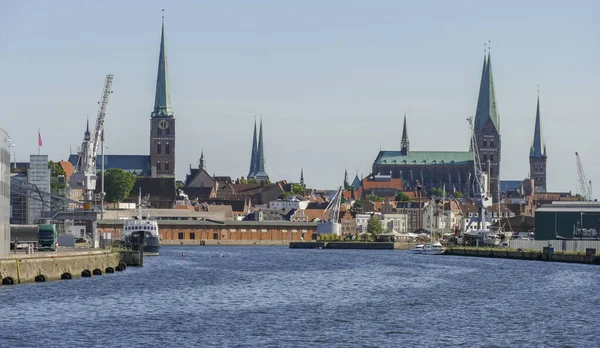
{"points": [[418, 249]]}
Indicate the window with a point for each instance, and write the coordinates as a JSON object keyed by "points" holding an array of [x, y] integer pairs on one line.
{"points": [[492, 157], [158, 131], [158, 165], [168, 131], [485, 157], [180, 235], [166, 165], [158, 148], [492, 144], [167, 148], [485, 143], [215, 235], [192, 235]]}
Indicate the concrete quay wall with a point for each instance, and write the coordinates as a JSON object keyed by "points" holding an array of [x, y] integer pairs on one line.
{"points": [[41, 267], [211, 242], [525, 255]]}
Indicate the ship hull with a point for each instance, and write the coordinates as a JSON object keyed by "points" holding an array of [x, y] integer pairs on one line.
{"points": [[149, 243]]}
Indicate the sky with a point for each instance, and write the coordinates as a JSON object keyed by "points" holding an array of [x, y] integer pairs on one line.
{"points": [[331, 79]]}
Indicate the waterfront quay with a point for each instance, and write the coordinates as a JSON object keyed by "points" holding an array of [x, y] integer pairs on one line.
{"points": [[547, 254], [41, 267], [350, 245]]}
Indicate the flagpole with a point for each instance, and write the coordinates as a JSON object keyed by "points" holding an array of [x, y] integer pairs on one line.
{"points": [[38, 141]]}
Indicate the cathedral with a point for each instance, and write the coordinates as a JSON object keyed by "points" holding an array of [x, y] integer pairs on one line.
{"points": [[257, 158], [452, 169]]}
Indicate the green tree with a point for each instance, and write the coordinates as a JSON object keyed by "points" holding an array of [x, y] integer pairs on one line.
{"points": [[118, 184], [179, 184], [374, 226], [251, 181], [458, 194], [373, 198], [435, 192], [297, 189], [55, 171], [402, 197]]}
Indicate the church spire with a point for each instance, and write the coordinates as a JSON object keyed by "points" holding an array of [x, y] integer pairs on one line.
{"points": [[486, 103], [405, 142], [538, 148], [87, 135], [201, 163], [162, 100], [261, 175], [253, 155], [302, 176]]}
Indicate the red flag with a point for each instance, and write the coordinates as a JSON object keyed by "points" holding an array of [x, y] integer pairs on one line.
{"points": [[39, 139]]}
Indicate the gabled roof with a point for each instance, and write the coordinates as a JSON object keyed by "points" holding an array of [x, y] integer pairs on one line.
{"points": [[136, 164], [396, 184], [424, 157], [67, 167]]}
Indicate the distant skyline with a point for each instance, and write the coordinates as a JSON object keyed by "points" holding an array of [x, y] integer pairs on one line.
{"points": [[331, 79]]}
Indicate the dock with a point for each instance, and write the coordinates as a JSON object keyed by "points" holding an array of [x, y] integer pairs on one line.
{"points": [[587, 257], [63, 265]]}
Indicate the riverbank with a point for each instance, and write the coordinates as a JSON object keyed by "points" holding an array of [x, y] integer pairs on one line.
{"points": [[213, 242], [351, 245], [589, 257], [41, 267]]}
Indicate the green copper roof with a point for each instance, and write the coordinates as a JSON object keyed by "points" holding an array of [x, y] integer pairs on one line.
{"points": [[538, 148], [253, 155], [162, 100], [424, 157], [260, 174], [486, 103]]}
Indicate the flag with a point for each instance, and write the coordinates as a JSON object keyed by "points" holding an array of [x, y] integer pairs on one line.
{"points": [[39, 138]]}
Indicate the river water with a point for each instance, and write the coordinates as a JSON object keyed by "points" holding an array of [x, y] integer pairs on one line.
{"points": [[279, 297]]}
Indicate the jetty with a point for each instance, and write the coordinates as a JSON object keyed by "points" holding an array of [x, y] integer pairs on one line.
{"points": [[40, 267], [547, 254]]}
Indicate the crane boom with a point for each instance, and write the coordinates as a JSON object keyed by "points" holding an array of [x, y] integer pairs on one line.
{"points": [[585, 186], [88, 160], [482, 200]]}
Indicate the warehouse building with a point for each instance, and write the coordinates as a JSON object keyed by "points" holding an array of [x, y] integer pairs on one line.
{"points": [[570, 220]]}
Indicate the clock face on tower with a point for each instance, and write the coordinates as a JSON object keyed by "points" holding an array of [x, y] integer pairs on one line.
{"points": [[163, 124]]}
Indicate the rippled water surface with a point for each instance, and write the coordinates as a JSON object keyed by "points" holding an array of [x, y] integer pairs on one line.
{"points": [[279, 297]]}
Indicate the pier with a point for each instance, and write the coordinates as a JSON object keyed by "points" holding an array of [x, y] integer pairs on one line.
{"points": [[41, 267], [547, 254]]}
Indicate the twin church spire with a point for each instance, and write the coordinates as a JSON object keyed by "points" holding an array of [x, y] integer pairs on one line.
{"points": [[257, 158]]}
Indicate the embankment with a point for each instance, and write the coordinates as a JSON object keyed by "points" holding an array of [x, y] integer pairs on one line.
{"points": [[589, 257], [215, 242], [40, 267]]}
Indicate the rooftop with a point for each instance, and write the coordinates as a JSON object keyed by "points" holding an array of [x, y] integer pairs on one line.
{"points": [[424, 157]]}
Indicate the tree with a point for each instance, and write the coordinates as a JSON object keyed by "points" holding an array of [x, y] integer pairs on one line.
{"points": [[55, 171], [436, 192], [179, 184], [402, 197], [251, 181], [118, 184], [374, 226], [373, 198], [297, 189], [458, 194]]}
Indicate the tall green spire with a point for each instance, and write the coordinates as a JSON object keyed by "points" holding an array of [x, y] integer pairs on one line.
{"points": [[538, 148], [261, 175], [162, 100], [405, 144], [486, 104]]}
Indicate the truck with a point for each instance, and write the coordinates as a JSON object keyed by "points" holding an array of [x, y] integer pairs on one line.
{"points": [[23, 235], [47, 237]]}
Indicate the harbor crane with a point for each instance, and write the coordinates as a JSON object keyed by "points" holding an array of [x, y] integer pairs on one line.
{"points": [[85, 177], [331, 215], [482, 199], [585, 186]]}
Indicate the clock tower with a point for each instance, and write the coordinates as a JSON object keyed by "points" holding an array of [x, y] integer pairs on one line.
{"points": [[162, 122]]}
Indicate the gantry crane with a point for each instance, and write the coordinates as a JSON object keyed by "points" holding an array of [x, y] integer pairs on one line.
{"points": [[85, 177], [331, 216], [482, 199], [585, 186]]}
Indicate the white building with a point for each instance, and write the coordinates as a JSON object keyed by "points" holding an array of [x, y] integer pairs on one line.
{"points": [[361, 222], [395, 222], [5, 192], [289, 203]]}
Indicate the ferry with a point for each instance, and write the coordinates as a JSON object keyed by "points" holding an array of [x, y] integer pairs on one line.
{"points": [[141, 230]]}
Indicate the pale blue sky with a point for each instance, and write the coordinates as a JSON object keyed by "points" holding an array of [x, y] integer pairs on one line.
{"points": [[331, 78]]}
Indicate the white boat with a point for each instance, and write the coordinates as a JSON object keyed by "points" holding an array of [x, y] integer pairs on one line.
{"points": [[141, 230], [434, 248], [418, 249]]}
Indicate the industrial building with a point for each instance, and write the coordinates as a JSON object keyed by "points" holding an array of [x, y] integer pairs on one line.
{"points": [[570, 220], [4, 192]]}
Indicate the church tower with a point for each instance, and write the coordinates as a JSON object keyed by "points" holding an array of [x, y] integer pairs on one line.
{"points": [[162, 122], [537, 155], [260, 175], [253, 155], [405, 145], [487, 127]]}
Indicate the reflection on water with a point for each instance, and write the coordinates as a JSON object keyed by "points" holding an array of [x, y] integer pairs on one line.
{"points": [[279, 297]]}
